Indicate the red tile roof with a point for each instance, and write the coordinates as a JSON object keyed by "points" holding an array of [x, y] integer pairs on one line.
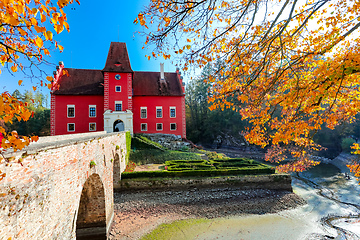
{"points": [[148, 84], [117, 59], [90, 82], [81, 82]]}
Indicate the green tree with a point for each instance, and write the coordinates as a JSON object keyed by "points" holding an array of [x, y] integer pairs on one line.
{"points": [[39, 123], [203, 125]]}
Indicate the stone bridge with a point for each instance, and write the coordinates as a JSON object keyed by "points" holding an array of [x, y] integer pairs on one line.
{"points": [[61, 187]]}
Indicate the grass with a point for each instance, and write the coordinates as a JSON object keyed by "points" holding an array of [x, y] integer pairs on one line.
{"points": [[141, 157]]}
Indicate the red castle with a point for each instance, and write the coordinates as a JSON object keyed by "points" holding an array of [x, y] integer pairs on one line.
{"points": [[117, 98]]}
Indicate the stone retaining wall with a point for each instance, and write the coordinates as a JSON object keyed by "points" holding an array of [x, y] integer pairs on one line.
{"points": [[271, 181]]}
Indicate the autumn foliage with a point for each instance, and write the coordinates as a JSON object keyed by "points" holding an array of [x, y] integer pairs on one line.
{"points": [[26, 36], [292, 66]]}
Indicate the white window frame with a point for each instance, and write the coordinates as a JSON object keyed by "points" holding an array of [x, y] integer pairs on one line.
{"points": [[157, 112], [162, 128], [141, 124], [175, 127], [68, 127], [90, 127], [116, 87], [67, 109], [118, 102], [170, 112], [92, 106], [143, 108]]}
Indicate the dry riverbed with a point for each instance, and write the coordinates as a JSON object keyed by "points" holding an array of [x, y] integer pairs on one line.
{"points": [[138, 213]]}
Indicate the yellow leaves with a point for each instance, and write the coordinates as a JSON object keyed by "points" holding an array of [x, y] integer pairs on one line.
{"points": [[39, 42], [61, 48], [66, 25], [33, 22], [48, 35]]}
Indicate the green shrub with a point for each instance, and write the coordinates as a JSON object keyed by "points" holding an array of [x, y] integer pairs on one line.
{"points": [[141, 142], [346, 144], [174, 162], [215, 155], [157, 156], [184, 149], [247, 160], [201, 173], [182, 167]]}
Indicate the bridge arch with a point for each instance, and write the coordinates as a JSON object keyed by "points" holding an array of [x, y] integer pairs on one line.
{"points": [[58, 173], [91, 217]]}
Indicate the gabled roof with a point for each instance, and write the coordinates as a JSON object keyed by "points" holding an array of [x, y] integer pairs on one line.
{"points": [[117, 59], [90, 82], [81, 82], [148, 84]]}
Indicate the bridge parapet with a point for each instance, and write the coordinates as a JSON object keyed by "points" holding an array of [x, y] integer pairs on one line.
{"points": [[40, 194]]}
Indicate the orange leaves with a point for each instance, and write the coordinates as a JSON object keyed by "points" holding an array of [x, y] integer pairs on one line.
{"points": [[166, 56], [24, 32], [14, 68], [10, 108], [290, 77], [141, 18], [167, 21]]}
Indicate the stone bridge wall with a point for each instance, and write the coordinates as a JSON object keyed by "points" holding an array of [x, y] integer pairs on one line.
{"points": [[40, 194]]}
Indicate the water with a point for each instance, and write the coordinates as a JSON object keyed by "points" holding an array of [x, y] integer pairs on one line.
{"points": [[332, 212]]}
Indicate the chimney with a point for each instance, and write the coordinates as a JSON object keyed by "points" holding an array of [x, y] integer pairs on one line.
{"points": [[162, 77]]}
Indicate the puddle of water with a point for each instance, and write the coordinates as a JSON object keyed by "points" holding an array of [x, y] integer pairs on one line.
{"points": [[270, 226], [289, 224], [322, 170]]}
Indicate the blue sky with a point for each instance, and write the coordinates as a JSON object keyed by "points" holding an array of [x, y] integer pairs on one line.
{"points": [[92, 27]]}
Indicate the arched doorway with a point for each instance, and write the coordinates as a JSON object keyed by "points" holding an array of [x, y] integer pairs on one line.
{"points": [[91, 217], [118, 126]]}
